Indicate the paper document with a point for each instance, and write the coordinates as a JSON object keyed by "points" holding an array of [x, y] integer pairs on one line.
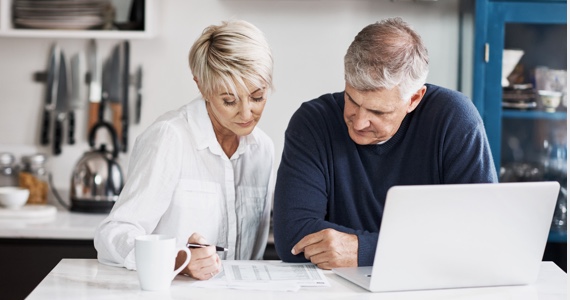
{"points": [[266, 275]]}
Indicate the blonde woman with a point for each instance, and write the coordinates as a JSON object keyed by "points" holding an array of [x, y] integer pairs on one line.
{"points": [[203, 173]]}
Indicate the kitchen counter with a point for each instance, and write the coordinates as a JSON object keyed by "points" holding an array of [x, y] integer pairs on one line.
{"points": [[63, 225], [88, 279], [31, 246]]}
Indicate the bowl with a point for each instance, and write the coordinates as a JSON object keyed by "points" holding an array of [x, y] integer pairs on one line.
{"points": [[13, 197], [550, 99]]}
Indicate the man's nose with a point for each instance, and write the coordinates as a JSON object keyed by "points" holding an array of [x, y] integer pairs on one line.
{"points": [[360, 121]]}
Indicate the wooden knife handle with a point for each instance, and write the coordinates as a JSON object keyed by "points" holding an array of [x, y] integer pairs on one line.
{"points": [[117, 110], [93, 115]]}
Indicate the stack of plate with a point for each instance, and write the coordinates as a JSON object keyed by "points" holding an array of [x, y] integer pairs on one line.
{"points": [[62, 14], [519, 96]]}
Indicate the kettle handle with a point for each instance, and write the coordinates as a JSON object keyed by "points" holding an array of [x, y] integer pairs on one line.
{"points": [[113, 133]]}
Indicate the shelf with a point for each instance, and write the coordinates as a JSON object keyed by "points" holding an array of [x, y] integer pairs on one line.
{"points": [[7, 29], [530, 114]]}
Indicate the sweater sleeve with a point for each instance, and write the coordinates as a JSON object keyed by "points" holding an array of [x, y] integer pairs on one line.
{"points": [[467, 155], [303, 185]]}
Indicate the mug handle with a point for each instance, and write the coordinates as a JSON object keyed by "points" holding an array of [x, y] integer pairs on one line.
{"points": [[186, 262]]}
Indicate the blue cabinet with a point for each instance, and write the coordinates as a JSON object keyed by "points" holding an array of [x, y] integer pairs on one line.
{"points": [[528, 141]]}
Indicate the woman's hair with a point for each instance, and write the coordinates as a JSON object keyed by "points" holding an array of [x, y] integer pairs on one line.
{"points": [[231, 54], [385, 55]]}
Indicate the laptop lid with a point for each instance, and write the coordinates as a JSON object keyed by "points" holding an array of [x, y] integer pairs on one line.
{"points": [[461, 235]]}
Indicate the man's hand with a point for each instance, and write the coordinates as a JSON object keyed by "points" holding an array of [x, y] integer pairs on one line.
{"points": [[204, 262], [329, 249]]}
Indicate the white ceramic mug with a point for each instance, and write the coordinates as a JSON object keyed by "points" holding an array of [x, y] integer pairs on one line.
{"points": [[155, 258]]}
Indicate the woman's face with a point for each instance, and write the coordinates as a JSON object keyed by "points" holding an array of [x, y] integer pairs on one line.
{"points": [[236, 114]]}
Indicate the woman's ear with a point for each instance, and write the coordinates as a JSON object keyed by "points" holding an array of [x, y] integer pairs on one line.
{"points": [[196, 80]]}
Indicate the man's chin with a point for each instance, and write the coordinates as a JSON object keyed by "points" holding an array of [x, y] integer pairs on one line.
{"points": [[361, 140]]}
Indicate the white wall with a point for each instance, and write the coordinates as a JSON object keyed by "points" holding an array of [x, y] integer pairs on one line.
{"points": [[308, 38]]}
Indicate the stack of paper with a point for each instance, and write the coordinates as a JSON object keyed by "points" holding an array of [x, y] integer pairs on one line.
{"points": [[266, 275]]}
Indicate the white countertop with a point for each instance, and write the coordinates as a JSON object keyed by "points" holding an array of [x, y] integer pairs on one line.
{"points": [[61, 225], [88, 279]]}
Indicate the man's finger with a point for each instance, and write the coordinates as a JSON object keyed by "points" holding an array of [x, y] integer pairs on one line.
{"points": [[306, 241]]}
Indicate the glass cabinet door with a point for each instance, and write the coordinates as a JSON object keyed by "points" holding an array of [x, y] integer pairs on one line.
{"points": [[524, 111], [533, 124]]}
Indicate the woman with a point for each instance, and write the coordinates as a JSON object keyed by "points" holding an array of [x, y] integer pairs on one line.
{"points": [[203, 173]]}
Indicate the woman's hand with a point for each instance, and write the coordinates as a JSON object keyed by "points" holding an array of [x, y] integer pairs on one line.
{"points": [[204, 263]]}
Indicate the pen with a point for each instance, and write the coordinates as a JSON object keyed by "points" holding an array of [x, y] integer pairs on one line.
{"points": [[194, 246]]}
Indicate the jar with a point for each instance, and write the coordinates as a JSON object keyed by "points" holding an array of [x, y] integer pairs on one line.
{"points": [[8, 170], [34, 177]]}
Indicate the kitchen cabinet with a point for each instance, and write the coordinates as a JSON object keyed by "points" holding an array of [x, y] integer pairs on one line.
{"points": [[528, 143], [30, 246], [7, 28]]}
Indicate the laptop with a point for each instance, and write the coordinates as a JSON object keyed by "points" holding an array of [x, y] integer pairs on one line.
{"points": [[459, 236]]}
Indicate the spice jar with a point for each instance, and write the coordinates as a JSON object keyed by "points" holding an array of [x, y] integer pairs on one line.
{"points": [[34, 177], [8, 170]]}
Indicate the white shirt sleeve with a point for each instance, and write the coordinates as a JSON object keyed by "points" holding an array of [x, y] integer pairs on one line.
{"points": [[153, 175]]}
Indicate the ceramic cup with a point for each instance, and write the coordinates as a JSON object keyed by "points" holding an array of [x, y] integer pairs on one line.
{"points": [[155, 257], [550, 99]]}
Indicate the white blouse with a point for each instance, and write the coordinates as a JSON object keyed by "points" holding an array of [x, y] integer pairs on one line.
{"points": [[180, 181]]}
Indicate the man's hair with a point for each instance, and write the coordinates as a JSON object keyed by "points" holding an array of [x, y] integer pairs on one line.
{"points": [[385, 55], [233, 53]]}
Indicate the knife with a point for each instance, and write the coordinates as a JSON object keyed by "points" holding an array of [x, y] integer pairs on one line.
{"points": [[95, 86], [51, 81], [61, 105], [106, 83], [76, 92], [125, 89], [115, 83], [138, 104]]}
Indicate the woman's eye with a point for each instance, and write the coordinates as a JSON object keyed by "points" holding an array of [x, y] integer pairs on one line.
{"points": [[229, 103], [257, 99]]}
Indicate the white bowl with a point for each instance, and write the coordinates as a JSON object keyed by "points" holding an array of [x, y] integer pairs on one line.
{"points": [[13, 197]]}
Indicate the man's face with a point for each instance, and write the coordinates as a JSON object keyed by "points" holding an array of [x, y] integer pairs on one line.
{"points": [[375, 116]]}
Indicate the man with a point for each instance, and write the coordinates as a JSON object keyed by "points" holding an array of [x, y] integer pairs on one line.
{"points": [[343, 151]]}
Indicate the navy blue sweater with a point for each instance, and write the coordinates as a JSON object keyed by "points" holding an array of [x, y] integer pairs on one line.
{"points": [[325, 180]]}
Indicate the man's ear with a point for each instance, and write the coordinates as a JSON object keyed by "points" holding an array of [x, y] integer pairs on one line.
{"points": [[416, 99]]}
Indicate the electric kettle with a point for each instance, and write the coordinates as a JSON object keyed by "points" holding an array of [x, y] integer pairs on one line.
{"points": [[97, 179]]}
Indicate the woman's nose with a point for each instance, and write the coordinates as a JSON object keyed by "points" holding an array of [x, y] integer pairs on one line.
{"points": [[245, 110]]}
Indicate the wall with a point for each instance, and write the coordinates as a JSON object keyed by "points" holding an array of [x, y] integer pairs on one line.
{"points": [[308, 37]]}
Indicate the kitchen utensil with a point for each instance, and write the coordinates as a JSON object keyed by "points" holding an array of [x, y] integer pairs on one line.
{"points": [[13, 197], [115, 84], [97, 179], [50, 93], [76, 92], [94, 85], [61, 104], [105, 86], [138, 105], [125, 95]]}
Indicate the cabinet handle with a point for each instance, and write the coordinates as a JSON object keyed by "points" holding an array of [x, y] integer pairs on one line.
{"points": [[486, 52]]}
